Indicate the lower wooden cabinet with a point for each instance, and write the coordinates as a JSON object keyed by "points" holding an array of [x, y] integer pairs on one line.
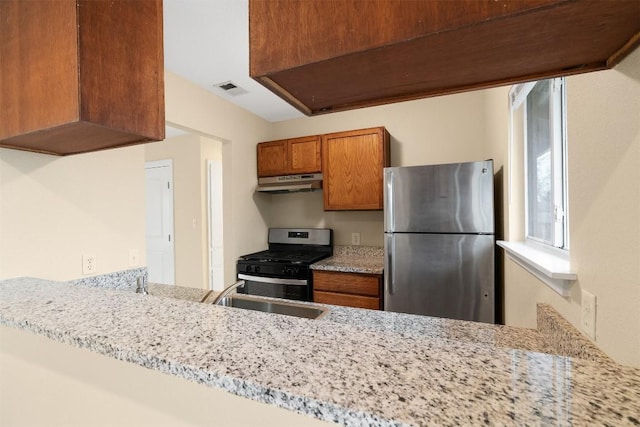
{"points": [[348, 289]]}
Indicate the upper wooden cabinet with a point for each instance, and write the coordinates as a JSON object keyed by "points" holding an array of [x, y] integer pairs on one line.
{"points": [[78, 76], [272, 158], [358, 53], [290, 156], [352, 167]]}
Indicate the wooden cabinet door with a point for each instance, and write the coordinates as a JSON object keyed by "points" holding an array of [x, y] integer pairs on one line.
{"points": [[305, 154], [272, 158], [346, 300], [24, 98], [80, 76], [347, 283], [352, 165], [348, 289]]}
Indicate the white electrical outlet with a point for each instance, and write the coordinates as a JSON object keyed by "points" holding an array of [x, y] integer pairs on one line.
{"points": [[355, 239], [134, 257], [89, 264], [589, 314]]}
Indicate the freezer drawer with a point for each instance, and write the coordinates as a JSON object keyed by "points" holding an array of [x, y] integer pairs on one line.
{"points": [[442, 275]]}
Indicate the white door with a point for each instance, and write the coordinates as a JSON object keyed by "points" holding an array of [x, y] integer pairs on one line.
{"points": [[159, 208], [216, 259]]}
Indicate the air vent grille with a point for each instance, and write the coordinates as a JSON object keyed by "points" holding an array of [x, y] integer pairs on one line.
{"points": [[230, 88]]}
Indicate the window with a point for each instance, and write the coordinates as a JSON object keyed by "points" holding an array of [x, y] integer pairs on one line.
{"points": [[538, 184], [545, 155]]}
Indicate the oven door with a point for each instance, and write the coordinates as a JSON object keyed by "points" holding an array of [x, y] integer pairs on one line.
{"points": [[294, 289]]}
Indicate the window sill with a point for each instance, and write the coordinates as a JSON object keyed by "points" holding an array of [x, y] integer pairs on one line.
{"points": [[553, 270]]}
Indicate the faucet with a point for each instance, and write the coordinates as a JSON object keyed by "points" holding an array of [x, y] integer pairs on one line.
{"points": [[142, 286], [226, 291]]}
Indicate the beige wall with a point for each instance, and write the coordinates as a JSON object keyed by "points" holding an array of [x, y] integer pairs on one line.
{"points": [[497, 137], [55, 209], [604, 204], [434, 130], [603, 111]]}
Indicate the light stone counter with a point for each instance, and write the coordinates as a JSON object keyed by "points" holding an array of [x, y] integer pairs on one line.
{"points": [[409, 325], [353, 259], [126, 281], [178, 292], [355, 373]]}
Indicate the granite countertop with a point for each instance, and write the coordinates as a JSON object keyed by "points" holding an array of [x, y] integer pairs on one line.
{"points": [[410, 325], [178, 292], [353, 259], [380, 370], [126, 281]]}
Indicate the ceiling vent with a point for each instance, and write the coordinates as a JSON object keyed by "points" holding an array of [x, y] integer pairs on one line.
{"points": [[230, 88]]}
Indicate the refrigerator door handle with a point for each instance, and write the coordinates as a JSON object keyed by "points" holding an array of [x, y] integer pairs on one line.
{"points": [[388, 202], [388, 264]]}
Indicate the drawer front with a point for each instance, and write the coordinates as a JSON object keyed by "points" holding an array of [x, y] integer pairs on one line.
{"points": [[347, 300], [349, 283]]}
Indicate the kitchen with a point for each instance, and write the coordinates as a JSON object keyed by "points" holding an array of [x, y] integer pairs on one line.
{"points": [[43, 201]]}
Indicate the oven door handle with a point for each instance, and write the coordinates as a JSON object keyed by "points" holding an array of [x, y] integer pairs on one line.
{"points": [[261, 279]]}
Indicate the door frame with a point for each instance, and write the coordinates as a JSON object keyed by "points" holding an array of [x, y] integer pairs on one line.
{"points": [[215, 224]]}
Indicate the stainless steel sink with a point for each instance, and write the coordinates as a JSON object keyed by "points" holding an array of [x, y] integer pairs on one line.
{"points": [[270, 306]]}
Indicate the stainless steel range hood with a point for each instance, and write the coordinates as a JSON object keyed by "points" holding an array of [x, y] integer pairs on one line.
{"points": [[290, 183]]}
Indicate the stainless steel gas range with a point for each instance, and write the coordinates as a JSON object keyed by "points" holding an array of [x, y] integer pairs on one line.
{"points": [[283, 270]]}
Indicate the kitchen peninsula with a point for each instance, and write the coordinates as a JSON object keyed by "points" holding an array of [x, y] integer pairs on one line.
{"points": [[397, 370]]}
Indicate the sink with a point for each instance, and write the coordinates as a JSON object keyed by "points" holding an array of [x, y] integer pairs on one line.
{"points": [[270, 306]]}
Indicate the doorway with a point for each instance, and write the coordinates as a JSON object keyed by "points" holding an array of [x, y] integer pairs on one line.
{"points": [[159, 219], [214, 209]]}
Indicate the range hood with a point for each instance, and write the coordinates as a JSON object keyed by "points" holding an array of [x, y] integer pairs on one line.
{"points": [[290, 183]]}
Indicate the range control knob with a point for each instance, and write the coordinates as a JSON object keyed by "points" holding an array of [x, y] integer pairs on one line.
{"points": [[249, 268], [290, 271], [256, 268]]}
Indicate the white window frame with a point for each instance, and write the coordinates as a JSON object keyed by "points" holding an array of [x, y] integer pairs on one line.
{"points": [[557, 100], [548, 262]]}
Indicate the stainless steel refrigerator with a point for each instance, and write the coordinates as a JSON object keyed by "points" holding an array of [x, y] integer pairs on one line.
{"points": [[439, 240]]}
